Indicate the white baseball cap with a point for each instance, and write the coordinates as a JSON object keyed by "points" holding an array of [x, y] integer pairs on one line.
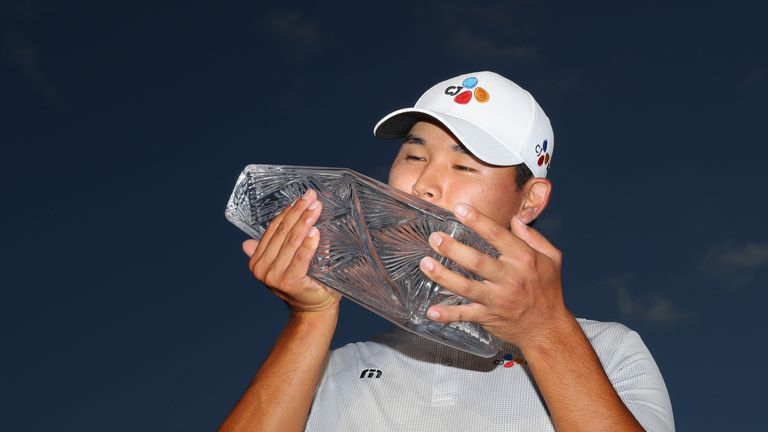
{"points": [[494, 118]]}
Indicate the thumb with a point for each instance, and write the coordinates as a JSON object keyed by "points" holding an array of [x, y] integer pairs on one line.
{"points": [[249, 246]]}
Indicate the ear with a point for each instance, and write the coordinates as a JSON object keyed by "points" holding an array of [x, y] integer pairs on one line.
{"points": [[536, 194]]}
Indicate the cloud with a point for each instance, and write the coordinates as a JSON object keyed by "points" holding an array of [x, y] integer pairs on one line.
{"points": [[498, 34], [662, 311], [474, 45], [18, 50], [496, 14], [748, 256], [22, 54], [737, 263], [297, 40], [651, 308], [23, 11], [754, 78], [293, 28], [487, 33]]}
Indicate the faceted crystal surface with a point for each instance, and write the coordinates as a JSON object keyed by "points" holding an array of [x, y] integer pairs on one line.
{"points": [[372, 238]]}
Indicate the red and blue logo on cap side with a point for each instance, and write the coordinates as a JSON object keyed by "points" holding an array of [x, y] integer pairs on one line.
{"points": [[543, 152]]}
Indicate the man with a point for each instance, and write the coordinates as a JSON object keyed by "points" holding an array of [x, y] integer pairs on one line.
{"points": [[480, 146]]}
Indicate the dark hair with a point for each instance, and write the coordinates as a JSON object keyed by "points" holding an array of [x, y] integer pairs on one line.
{"points": [[522, 175]]}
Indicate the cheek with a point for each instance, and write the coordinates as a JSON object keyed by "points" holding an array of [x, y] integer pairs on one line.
{"points": [[476, 196], [498, 203], [401, 178]]}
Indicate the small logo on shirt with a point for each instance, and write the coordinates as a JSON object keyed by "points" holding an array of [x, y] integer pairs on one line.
{"points": [[508, 361], [371, 373]]}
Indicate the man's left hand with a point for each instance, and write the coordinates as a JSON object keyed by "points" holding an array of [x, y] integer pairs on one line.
{"points": [[520, 299]]}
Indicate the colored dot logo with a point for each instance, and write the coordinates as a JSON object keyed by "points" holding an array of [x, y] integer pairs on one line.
{"points": [[508, 361], [463, 94], [543, 152]]}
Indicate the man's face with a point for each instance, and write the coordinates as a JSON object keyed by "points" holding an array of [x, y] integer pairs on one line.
{"points": [[434, 166]]}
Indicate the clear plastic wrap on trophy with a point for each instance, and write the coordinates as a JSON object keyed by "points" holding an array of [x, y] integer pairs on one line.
{"points": [[372, 237]]}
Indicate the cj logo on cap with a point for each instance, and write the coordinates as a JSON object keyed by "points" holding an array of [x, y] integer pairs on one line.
{"points": [[543, 153], [463, 97]]}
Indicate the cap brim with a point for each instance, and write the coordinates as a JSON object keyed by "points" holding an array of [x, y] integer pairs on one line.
{"points": [[484, 145]]}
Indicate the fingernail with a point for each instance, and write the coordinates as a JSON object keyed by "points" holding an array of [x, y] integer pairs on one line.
{"points": [[436, 239], [426, 264], [432, 314], [312, 232], [314, 205], [461, 209], [306, 194]]}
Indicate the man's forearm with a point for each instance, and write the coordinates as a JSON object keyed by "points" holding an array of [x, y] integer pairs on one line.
{"points": [[574, 385], [280, 395]]}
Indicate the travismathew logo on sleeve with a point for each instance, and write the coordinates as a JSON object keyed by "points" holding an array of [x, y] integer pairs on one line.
{"points": [[371, 373]]}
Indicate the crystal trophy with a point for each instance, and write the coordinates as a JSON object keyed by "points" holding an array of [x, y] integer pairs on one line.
{"points": [[372, 237]]}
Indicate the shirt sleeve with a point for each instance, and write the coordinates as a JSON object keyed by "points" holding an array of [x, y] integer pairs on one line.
{"points": [[638, 382]]}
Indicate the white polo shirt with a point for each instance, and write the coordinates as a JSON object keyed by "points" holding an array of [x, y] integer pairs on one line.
{"points": [[402, 382]]}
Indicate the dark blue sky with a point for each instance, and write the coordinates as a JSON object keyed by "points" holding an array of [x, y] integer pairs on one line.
{"points": [[126, 301]]}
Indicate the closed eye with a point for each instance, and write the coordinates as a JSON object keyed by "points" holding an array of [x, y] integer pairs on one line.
{"points": [[464, 168], [416, 158]]}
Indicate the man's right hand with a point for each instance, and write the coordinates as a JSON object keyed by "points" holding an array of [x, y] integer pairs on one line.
{"points": [[281, 393], [280, 260]]}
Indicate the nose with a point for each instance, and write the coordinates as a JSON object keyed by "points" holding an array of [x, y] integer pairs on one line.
{"points": [[427, 187], [422, 193]]}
